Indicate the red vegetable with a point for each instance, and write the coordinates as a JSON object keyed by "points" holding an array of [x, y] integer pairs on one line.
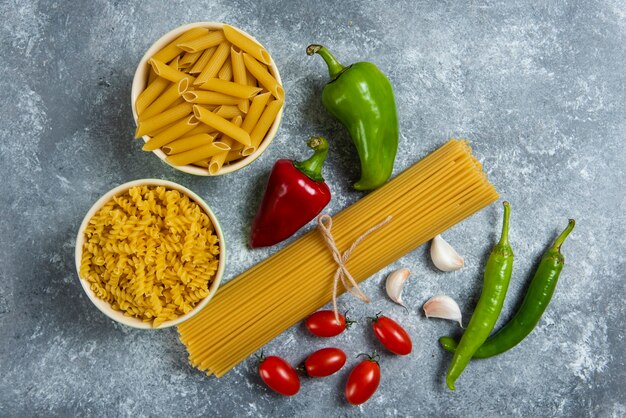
{"points": [[392, 335], [363, 381], [324, 362], [324, 324], [278, 375], [295, 194]]}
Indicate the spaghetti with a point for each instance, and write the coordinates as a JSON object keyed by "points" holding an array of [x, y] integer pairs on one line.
{"points": [[439, 191]]}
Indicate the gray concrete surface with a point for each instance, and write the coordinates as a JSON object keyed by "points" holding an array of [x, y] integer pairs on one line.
{"points": [[538, 89]]}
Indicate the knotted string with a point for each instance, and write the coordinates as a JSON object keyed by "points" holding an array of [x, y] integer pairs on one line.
{"points": [[324, 224]]}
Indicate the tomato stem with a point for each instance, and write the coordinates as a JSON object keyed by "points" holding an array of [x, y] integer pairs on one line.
{"points": [[302, 369], [349, 321], [260, 358], [374, 357], [375, 318]]}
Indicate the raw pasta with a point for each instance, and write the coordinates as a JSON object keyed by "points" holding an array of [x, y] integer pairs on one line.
{"points": [[187, 143], [160, 120], [437, 192], [231, 89], [214, 69], [221, 125], [203, 42], [218, 160], [199, 153], [263, 125], [215, 63], [202, 61], [151, 253], [246, 44], [263, 77], [172, 133]]}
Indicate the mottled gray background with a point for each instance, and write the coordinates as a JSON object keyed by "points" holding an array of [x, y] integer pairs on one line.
{"points": [[540, 92]]}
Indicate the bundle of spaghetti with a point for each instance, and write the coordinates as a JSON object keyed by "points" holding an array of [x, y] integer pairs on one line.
{"points": [[437, 192]]}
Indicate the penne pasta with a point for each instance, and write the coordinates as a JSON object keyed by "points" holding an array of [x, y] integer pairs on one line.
{"points": [[250, 78], [230, 88], [189, 59], [239, 74], [228, 112], [203, 42], [215, 63], [255, 111], [168, 73], [175, 131], [237, 146], [233, 156], [188, 142], [218, 159], [263, 77], [263, 125], [246, 44], [203, 129], [152, 124], [197, 154], [158, 131], [226, 72], [154, 89], [210, 97], [172, 50], [221, 125], [216, 91], [151, 76], [178, 101], [203, 163], [202, 61], [239, 68], [149, 95], [164, 101]]}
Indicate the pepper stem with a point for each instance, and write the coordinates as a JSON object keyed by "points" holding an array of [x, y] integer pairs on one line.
{"points": [[312, 167], [334, 66], [504, 238], [561, 238]]}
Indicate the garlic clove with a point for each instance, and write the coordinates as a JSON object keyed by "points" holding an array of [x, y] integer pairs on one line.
{"points": [[395, 284], [444, 257], [444, 307]]}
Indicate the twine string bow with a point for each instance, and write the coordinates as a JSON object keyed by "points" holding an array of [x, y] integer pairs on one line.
{"points": [[324, 225]]}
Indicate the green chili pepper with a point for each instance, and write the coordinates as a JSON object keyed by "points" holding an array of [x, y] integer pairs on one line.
{"points": [[497, 275], [360, 96], [535, 303]]}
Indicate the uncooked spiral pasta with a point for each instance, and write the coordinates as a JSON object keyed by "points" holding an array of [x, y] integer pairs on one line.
{"points": [[151, 253]]}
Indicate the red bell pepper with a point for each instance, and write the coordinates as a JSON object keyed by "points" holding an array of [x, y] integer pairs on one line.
{"points": [[295, 194]]}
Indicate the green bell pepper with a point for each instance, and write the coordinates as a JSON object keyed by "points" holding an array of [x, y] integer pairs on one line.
{"points": [[360, 96]]}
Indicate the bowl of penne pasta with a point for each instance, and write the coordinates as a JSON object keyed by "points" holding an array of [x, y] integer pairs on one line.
{"points": [[207, 99], [150, 254]]}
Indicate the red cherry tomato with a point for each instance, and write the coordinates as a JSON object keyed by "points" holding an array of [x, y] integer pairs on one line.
{"points": [[324, 324], [363, 381], [278, 375], [324, 362], [392, 335]]}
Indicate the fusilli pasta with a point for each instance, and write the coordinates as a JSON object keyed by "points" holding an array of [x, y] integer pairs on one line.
{"points": [[151, 253]]}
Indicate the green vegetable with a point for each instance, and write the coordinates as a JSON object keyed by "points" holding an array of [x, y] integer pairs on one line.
{"points": [[497, 275], [361, 97], [535, 303]]}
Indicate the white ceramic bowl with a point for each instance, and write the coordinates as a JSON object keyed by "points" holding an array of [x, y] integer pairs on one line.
{"points": [[104, 306], [140, 81]]}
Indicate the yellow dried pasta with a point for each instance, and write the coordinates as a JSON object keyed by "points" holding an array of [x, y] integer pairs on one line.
{"points": [[151, 253], [216, 68]]}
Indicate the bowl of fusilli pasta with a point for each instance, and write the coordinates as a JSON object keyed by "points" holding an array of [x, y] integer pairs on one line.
{"points": [[150, 254]]}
